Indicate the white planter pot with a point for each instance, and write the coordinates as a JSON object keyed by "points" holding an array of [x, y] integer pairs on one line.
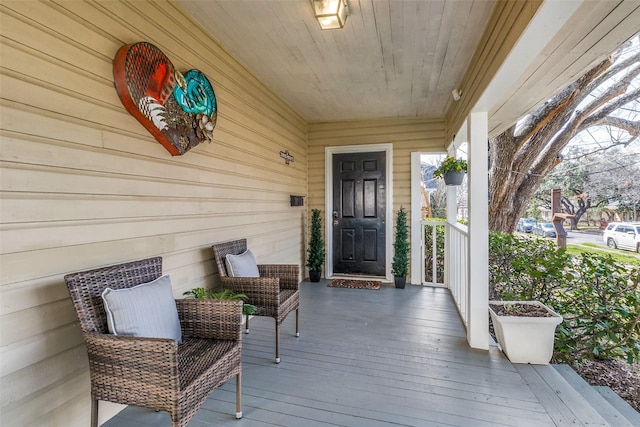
{"points": [[526, 339]]}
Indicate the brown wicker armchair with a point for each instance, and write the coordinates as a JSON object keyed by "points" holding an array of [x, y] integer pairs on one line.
{"points": [[275, 293], [157, 373]]}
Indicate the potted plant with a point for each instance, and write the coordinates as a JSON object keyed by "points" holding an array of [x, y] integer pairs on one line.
{"points": [[315, 251], [525, 330], [202, 293], [452, 170], [400, 264]]}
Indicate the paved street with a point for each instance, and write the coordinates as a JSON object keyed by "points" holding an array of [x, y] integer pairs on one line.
{"points": [[584, 237]]}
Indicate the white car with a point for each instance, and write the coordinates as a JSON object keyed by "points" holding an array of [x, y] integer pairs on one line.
{"points": [[623, 235]]}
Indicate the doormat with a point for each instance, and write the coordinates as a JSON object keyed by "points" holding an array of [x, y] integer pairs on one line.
{"points": [[355, 284]]}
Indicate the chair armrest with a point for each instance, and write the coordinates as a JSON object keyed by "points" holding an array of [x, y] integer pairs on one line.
{"points": [[210, 318], [261, 291], [132, 362], [289, 274]]}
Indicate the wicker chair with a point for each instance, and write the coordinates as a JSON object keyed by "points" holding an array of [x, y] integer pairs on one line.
{"points": [[157, 373], [275, 293]]}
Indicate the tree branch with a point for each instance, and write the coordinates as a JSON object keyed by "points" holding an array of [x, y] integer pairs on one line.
{"points": [[562, 100]]}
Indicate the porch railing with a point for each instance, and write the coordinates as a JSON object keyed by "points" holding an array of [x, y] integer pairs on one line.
{"points": [[445, 254]]}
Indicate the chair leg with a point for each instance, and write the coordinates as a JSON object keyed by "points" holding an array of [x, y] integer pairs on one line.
{"points": [[297, 322], [239, 396], [94, 411], [246, 324], [277, 343]]}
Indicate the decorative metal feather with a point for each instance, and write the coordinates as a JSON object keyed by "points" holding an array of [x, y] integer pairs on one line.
{"points": [[154, 111]]}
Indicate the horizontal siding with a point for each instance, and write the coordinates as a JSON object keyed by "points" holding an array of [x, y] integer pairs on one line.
{"points": [[85, 185]]}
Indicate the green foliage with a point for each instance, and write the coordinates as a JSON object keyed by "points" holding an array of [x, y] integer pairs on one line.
{"points": [[601, 310], [315, 251], [521, 268], [598, 297], [622, 257], [428, 253], [400, 264], [225, 294], [450, 164]]}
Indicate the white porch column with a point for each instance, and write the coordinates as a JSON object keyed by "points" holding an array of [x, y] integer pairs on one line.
{"points": [[478, 274], [417, 257]]}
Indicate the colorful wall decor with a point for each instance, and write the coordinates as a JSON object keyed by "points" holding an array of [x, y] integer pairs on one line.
{"points": [[180, 111]]}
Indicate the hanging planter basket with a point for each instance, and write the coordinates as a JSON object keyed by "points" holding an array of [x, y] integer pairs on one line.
{"points": [[453, 177]]}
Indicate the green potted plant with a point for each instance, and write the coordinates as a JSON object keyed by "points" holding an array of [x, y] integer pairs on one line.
{"points": [[451, 170], [400, 264], [203, 293], [315, 251]]}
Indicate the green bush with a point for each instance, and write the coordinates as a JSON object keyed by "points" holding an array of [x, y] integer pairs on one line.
{"points": [[601, 311], [598, 297], [428, 252]]}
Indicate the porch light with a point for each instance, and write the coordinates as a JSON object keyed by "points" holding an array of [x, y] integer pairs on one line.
{"points": [[331, 14]]}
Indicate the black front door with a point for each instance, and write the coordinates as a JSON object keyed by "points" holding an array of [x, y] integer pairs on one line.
{"points": [[359, 200]]}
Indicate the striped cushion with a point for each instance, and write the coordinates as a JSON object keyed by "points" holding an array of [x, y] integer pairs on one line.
{"points": [[147, 310], [243, 265]]}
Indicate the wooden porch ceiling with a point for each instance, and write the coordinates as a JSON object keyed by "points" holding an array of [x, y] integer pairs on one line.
{"points": [[403, 58], [392, 58]]}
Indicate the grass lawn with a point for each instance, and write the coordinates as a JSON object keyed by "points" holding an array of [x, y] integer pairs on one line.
{"points": [[624, 257]]}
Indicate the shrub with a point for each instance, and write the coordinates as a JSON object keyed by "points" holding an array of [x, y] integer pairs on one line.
{"points": [[598, 298], [521, 268], [428, 253], [601, 311]]}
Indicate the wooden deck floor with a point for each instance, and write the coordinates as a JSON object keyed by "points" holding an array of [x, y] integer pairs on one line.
{"points": [[367, 358]]}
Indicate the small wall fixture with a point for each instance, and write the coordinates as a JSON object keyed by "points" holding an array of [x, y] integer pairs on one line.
{"points": [[456, 94], [331, 14]]}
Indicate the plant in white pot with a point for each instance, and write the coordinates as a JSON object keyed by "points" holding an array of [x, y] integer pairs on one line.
{"points": [[525, 330], [451, 170]]}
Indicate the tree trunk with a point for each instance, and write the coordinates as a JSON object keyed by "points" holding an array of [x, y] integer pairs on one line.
{"points": [[523, 155]]}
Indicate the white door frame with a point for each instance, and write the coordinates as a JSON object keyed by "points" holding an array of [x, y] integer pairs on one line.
{"points": [[328, 191]]}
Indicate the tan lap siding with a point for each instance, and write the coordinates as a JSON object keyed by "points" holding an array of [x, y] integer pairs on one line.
{"points": [[83, 184]]}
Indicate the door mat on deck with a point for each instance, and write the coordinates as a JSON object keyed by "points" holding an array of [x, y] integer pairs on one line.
{"points": [[355, 284]]}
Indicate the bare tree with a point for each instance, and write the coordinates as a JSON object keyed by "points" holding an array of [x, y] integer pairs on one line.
{"points": [[606, 97], [589, 181]]}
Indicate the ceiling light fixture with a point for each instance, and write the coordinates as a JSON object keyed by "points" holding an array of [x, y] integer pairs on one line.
{"points": [[456, 94], [331, 14]]}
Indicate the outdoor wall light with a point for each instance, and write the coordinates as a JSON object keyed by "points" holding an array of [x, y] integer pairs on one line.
{"points": [[331, 14], [456, 93]]}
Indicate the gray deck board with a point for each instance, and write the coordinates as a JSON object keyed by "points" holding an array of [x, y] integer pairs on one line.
{"points": [[617, 402], [366, 358], [591, 395]]}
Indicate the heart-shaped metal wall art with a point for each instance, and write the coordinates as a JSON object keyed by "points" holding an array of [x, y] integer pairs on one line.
{"points": [[180, 111]]}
